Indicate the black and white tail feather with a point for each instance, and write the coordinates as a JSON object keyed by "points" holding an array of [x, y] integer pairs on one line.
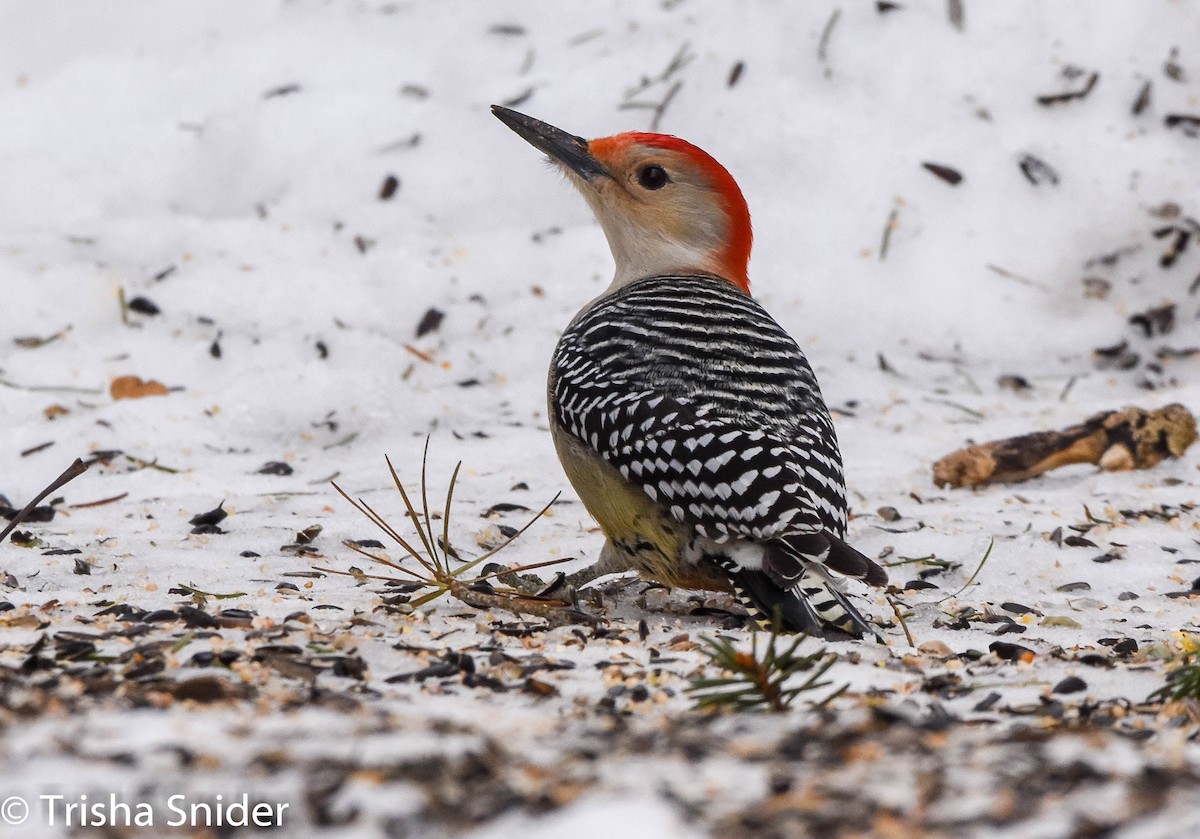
{"points": [[813, 603]]}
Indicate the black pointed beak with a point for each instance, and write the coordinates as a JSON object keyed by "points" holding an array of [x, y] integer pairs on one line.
{"points": [[567, 149]]}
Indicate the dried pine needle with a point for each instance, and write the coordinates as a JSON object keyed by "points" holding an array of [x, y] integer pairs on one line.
{"points": [[439, 571]]}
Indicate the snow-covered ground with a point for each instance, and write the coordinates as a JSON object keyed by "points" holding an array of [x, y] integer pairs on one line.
{"points": [[229, 161]]}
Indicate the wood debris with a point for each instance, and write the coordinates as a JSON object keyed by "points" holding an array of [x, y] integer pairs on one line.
{"points": [[1062, 98], [1132, 438]]}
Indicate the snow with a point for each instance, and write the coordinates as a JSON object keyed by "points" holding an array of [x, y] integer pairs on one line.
{"points": [[225, 161], [594, 819]]}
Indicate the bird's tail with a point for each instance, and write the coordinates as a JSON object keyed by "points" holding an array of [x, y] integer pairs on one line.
{"points": [[809, 601], [831, 604], [814, 605]]}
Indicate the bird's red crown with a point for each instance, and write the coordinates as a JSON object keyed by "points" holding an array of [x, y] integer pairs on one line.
{"points": [[734, 256]]}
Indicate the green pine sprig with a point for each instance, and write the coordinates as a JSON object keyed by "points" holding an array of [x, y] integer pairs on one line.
{"points": [[759, 679], [1182, 683]]}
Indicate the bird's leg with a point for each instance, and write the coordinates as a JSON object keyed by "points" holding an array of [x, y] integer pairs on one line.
{"points": [[611, 561], [561, 586]]}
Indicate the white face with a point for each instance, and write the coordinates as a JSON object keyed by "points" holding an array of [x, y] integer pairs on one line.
{"points": [[659, 212]]}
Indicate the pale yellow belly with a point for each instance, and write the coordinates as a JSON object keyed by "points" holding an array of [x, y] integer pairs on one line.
{"points": [[642, 535]]}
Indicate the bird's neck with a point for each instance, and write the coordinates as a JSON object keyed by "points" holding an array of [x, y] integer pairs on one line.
{"points": [[638, 256]]}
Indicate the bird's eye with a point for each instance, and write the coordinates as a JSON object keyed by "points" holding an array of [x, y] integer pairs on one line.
{"points": [[653, 176]]}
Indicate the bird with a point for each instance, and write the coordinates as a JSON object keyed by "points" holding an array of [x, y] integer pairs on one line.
{"points": [[688, 421]]}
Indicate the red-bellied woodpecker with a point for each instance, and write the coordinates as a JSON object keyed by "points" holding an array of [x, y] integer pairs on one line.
{"points": [[686, 418]]}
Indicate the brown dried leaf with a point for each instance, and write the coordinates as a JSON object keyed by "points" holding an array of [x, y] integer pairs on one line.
{"points": [[134, 387]]}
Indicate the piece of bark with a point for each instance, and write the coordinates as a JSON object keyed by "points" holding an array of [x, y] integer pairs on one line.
{"points": [[1132, 438]]}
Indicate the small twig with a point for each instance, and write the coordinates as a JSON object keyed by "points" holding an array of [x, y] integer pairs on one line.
{"points": [[971, 579], [909, 560], [680, 60], [1010, 275], [903, 623], [426, 536], [823, 44], [424, 356], [584, 37], [192, 591], [99, 503], [33, 342], [146, 464], [382, 524], [887, 232], [951, 404], [1061, 98], [512, 539], [658, 107], [72, 472], [349, 438], [88, 391], [445, 565], [382, 560], [124, 306], [358, 575], [662, 106]]}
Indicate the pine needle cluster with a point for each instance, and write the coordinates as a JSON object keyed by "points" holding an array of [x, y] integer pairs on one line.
{"points": [[1182, 683], [759, 679], [439, 570]]}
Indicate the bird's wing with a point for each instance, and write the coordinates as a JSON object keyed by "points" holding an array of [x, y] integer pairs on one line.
{"points": [[721, 357], [726, 480]]}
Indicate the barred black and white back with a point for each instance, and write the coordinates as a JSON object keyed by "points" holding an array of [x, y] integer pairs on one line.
{"points": [[693, 392]]}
